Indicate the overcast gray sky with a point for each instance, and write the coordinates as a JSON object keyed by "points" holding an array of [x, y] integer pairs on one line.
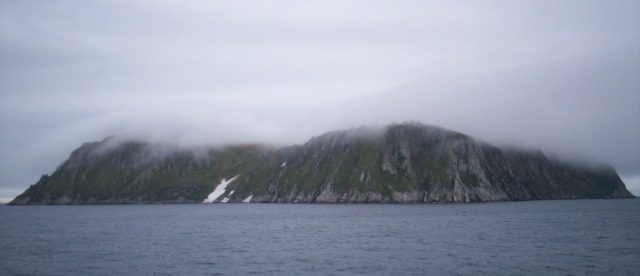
{"points": [[563, 76]]}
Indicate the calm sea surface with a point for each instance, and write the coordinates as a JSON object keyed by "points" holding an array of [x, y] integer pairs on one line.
{"points": [[541, 237]]}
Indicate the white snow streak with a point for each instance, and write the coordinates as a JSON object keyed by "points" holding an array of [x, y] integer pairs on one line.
{"points": [[226, 199], [248, 199], [219, 190]]}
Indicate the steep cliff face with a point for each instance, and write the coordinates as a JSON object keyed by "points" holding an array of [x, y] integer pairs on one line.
{"points": [[398, 163]]}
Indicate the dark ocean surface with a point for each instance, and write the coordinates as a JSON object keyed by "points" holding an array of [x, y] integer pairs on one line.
{"points": [[536, 238]]}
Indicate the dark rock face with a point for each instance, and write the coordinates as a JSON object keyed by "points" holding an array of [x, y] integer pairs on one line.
{"points": [[400, 163]]}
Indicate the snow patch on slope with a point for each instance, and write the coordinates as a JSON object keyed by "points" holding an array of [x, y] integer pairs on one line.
{"points": [[219, 190], [248, 199], [226, 199]]}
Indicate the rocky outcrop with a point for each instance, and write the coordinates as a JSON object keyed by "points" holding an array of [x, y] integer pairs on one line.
{"points": [[406, 163]]}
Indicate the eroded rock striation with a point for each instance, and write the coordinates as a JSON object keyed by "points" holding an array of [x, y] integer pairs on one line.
{"points": [[405, 163]]}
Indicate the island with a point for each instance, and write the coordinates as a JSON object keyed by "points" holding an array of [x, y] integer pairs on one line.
{"points": [[397, 163]]}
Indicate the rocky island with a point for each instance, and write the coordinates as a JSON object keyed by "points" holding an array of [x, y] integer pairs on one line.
{"points": [[399, 163]]}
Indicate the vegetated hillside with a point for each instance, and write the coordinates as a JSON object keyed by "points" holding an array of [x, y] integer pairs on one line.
{"points": [[406, 163]]}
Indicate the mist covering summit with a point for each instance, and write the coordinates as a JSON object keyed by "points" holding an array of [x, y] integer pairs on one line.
{"points": [[405, 163]]}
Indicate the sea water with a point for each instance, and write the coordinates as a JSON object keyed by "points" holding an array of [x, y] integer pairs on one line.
{"points": [[535, 237]]}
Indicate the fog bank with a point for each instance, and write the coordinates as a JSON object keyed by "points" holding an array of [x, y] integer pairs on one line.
{"points": [[561, 76]]}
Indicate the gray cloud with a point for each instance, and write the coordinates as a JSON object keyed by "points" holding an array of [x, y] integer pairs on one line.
{"points": [[562, 76]]}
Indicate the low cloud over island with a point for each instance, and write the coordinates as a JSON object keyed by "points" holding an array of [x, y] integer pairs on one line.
{"points": [[559, 76]]}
